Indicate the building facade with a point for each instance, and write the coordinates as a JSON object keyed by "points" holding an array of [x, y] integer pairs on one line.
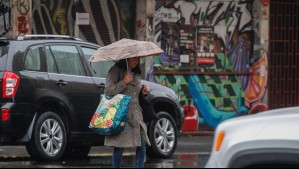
{"points": [[223, 58]]}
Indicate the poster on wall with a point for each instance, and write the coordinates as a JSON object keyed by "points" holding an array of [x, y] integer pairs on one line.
{"points": [[82, 19], [187, 47], [205, 46], [170, 39]]}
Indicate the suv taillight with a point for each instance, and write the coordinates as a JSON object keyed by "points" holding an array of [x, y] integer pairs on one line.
{"points": [[5, 114], [10, 84]]}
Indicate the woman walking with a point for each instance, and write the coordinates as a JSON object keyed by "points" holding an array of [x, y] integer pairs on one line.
{"points": [[125, 79]]}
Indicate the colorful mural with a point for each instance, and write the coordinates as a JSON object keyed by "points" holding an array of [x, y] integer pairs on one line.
{"points": [[109, 19], [235, 84]]}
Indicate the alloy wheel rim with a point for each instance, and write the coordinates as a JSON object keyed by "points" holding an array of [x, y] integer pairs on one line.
{"points": [[51, 137], [164, 135]]}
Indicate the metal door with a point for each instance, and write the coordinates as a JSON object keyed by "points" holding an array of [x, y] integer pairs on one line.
{"points": [[284, 54]]}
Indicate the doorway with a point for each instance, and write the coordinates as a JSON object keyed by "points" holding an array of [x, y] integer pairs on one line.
{"points": [[284, 54]]}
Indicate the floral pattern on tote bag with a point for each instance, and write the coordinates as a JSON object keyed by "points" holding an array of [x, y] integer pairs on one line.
{"points": [[111, 115]]}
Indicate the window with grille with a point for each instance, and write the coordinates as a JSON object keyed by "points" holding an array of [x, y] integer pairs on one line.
{"points": [[284, 54]]}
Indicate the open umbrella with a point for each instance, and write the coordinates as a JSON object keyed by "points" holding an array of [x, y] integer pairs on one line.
{"points": [[125, 49]]}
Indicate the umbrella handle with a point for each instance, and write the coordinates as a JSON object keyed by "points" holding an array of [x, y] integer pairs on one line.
{"points": [[127, 64], [128, 69]]}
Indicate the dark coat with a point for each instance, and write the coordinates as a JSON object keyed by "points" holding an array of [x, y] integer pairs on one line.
{"points": [[148, 111], [131, 136]]}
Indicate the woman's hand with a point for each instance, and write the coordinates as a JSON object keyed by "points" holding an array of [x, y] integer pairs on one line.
{"points": [[146, 90], [128, 78]]}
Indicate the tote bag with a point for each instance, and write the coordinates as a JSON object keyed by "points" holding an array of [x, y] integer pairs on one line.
{"points": [[111, 115]]}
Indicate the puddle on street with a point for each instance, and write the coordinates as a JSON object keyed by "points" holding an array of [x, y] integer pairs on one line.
{"points": [[181, 161], [177, 161]]}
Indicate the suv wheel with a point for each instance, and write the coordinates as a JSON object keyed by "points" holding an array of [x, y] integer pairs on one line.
{"points": [[48, 140], [163, 137]]}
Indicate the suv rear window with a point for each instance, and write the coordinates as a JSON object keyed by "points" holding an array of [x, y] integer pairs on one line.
{"points": [[33, 59], [4, 46]]}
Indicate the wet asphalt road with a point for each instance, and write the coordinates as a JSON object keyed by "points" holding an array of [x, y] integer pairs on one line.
{"points": [[192, 152]]}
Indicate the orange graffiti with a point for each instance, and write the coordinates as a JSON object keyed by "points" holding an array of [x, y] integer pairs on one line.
{"points": [[23, 25], [258, 81]]}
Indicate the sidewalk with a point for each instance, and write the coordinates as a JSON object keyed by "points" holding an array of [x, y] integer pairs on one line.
{"points": [[195, 145]]}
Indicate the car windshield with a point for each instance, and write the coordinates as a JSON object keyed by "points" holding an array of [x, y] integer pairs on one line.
{"points": [[100, 69], [3, 53]]}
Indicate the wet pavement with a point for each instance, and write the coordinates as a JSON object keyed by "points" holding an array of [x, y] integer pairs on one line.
{"points": [[178, 161], [192, 152]]}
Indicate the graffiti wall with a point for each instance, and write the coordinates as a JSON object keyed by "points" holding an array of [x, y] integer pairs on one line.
{"points": [[52, 17], [109, 19], [5, 18], [210, 59], [22, 17], [15, 17]]}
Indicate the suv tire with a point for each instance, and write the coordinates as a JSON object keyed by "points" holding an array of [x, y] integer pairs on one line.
{"points": [[49, 139], [163, 137]]}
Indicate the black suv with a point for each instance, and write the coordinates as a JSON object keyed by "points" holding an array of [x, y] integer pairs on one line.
{"points": [[49, 93]]}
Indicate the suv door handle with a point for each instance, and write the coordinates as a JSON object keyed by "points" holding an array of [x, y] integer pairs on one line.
{"points": [[101, 86], [61, 83]]}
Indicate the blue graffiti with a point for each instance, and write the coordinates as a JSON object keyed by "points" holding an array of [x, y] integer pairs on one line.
{"points": [[210, 114]]}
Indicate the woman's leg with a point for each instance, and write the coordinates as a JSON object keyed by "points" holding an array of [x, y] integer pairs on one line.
{"points": [[117, 157], [140, 155]]}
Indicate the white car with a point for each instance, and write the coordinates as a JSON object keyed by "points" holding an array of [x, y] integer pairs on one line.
{"points": [[268, 139]]}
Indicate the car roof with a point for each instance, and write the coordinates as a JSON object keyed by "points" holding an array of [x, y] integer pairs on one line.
{"points": [[292, 112], [49, 39], [279, 112]]}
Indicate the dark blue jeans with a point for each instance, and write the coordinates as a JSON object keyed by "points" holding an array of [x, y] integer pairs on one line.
{"points": [[140, 156]]}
